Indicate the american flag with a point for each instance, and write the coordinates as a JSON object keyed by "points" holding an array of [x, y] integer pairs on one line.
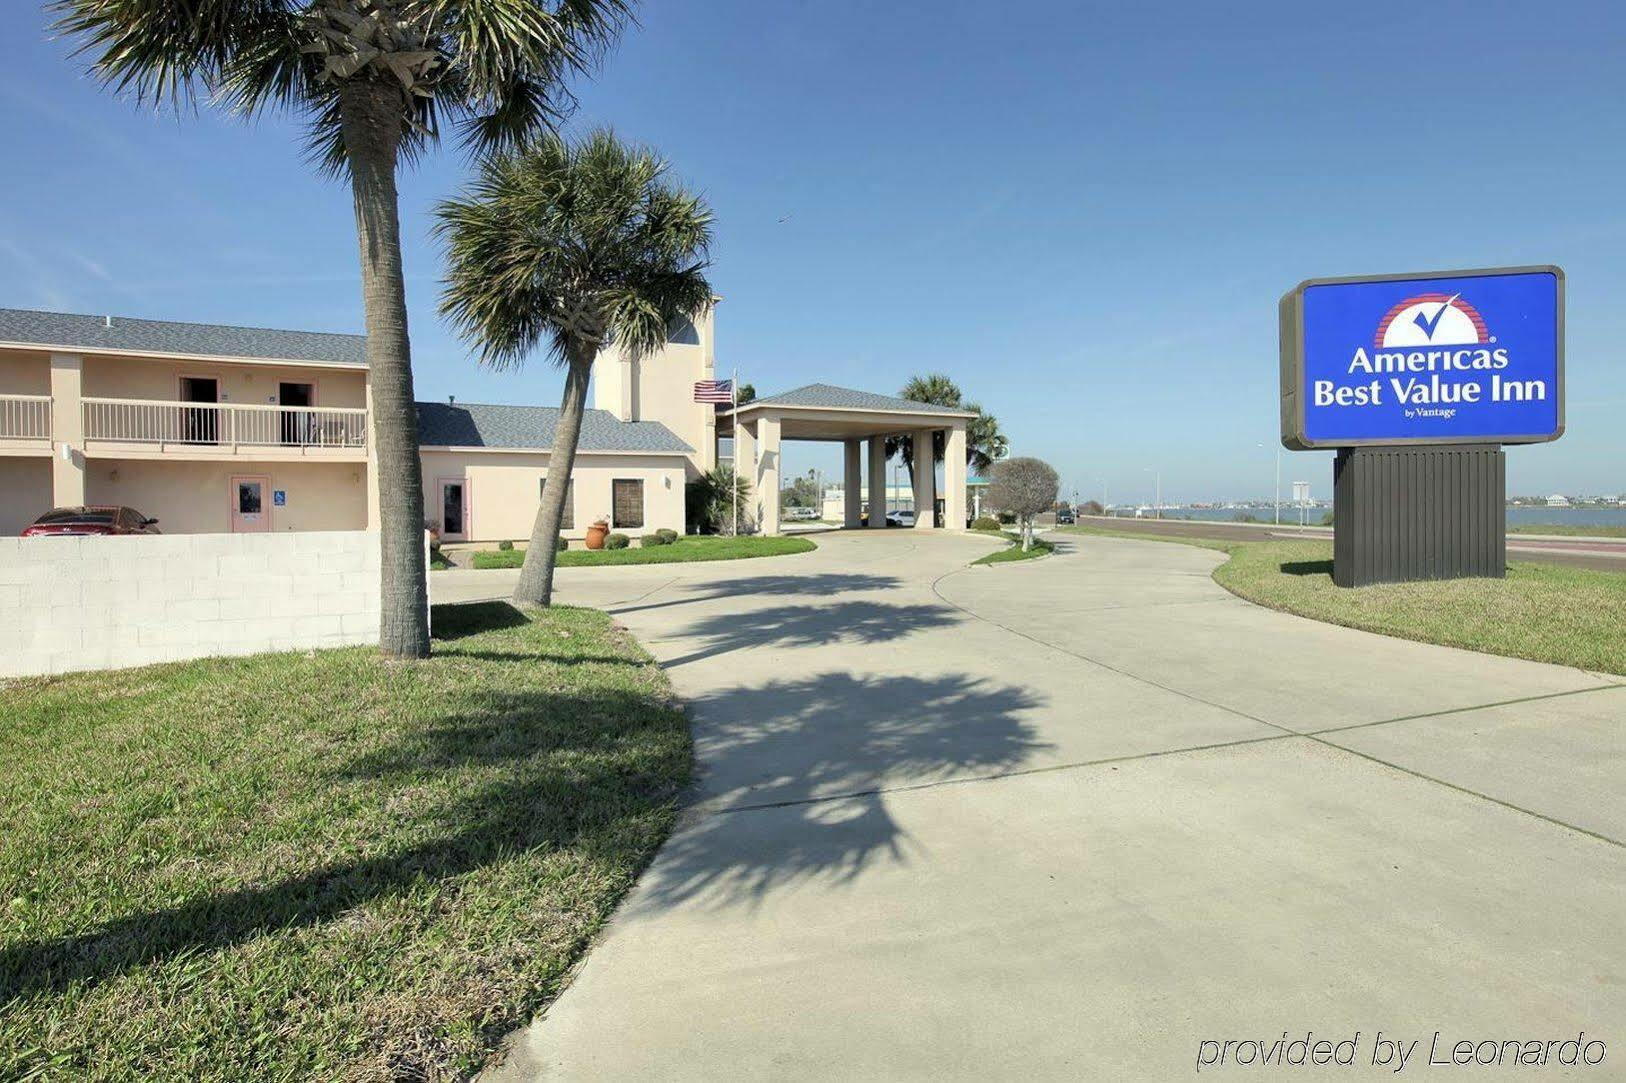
{"points": [[714, 391]]}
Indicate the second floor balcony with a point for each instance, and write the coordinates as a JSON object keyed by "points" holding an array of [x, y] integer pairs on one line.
{"points": [[25, 423], [211, 430]]}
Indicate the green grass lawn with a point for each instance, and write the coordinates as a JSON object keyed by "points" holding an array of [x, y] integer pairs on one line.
{"points": [[1566, 529], [322, 865], [1547, 613], [1013, 550], [683, 550]]}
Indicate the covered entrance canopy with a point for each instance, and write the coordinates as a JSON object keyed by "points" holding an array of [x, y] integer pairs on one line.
{"points": [[855, 418]]}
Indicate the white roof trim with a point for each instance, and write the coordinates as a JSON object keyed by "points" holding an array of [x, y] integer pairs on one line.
{"points": [[937, 412], [580, 452], [221, 359]]}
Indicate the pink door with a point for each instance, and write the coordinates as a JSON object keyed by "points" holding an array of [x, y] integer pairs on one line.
{"points": [[250, 504]]}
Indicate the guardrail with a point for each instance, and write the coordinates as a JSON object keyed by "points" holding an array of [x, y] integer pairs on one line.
{"points": [[25, 417], [136, 421]]}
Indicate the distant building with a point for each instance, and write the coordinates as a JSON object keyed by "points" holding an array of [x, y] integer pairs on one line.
{"points": [[1558, 500]]}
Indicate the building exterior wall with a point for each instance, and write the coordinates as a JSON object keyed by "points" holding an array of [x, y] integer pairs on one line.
{"points": [[25, 491], [242, 384], [505, 488], [23, 373], [193, 496], [660, 388], [103, 603]]}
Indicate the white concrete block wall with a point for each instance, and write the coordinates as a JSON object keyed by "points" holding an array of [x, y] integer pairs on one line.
{"points": [[104, 603]]}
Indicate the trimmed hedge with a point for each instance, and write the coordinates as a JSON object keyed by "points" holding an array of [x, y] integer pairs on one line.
{"points": [[616, 541], [987, 522], [561, 544], [667, 535], [505, 546], [650, 541]]}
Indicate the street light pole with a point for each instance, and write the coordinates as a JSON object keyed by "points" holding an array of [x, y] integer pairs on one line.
{"points": [[1278, 484], [1278, 495], [1157, 502]]}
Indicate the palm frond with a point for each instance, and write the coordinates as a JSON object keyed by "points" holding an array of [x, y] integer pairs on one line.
{"points": [[570, 242], [162, 51]]}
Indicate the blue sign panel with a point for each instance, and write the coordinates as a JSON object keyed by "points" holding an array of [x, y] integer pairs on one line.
{"points": [[1456, 357], [279, 498]]}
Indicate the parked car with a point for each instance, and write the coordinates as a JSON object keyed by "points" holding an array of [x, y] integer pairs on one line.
{"points": [[1064, 518], [801, 514], [91, 520], [900, 518]]}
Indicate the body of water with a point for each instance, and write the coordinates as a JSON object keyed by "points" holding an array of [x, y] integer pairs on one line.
{"points": [[1520, 516]]}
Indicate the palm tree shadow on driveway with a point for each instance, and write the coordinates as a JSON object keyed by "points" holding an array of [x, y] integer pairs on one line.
{"points": [[852, 622], [820, 585], [795, 774]]}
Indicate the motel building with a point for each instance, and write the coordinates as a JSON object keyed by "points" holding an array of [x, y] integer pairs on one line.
{"points": [[216, 429]]}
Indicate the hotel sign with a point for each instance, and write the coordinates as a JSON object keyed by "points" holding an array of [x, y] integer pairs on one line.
{"points": [[1458, 357]]}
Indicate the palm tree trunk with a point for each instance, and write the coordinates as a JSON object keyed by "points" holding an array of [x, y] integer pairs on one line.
{"points": [[536, 574], [371, 122]]}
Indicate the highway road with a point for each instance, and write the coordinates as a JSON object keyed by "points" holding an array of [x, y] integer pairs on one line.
{"points": [[1602, 554]]}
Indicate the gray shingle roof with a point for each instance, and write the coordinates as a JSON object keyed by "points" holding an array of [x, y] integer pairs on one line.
{"points": [[475, 424], [163, 336], [829, 395]]}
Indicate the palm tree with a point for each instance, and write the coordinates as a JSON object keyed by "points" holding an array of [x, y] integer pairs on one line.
{"points": [[566, 246], [374, 79], [984, 443]]}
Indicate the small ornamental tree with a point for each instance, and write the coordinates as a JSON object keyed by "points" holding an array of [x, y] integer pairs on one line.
{"points": [[1024, 487]]}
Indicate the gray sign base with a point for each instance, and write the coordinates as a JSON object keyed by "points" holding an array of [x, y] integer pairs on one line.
{"points": [[1419, 512]]}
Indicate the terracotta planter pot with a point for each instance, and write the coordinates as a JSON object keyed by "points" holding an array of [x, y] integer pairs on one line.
{"points": [[596, 533]]}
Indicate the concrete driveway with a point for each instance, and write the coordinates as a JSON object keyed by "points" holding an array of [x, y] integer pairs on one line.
{"points": [[1076, 817]]}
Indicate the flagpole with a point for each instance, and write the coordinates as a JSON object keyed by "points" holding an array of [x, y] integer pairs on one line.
{"points": [[734, 482]]}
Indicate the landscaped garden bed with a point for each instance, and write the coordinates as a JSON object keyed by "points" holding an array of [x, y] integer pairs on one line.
{"points": [[692, 547]]}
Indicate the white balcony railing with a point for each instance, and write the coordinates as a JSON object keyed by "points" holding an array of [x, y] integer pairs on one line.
{"points": [[25, 417], [204, 424]]}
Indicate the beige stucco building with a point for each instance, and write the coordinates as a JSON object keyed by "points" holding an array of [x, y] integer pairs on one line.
{"points": [[214, 429]]}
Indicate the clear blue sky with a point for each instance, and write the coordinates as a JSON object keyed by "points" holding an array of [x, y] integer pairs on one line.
{"points": [[1085, 214]]}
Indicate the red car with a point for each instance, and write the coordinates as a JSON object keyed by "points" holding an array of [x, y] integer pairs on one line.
{"points": [[73, 521]]}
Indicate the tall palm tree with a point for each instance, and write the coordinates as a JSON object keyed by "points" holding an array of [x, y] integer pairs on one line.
{"points": [[983, 440], [566, 246], [375, 79]]}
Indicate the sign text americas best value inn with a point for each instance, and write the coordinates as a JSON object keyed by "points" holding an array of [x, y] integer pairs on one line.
{"points": [[1464, 357]]}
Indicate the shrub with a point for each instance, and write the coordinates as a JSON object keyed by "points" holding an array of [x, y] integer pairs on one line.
{"points": [[1007, 517], [1326, 520], [560, 543], [667, 535], [615, 541], [650, 541], [506, 546], [987, 522]]}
